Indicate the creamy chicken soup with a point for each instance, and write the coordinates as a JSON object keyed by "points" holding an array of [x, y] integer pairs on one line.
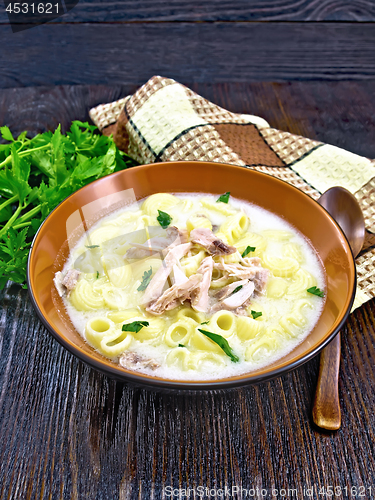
{"points": [[193, 286]]}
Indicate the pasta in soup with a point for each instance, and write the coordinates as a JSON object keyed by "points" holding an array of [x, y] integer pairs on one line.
{"points": [[193, 286]]}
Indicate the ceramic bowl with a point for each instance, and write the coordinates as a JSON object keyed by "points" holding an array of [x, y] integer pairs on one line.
{"points": [[50, 250]]}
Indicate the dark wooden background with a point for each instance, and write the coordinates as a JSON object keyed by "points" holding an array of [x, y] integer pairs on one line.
{"points": [[68, 432], [127, 42]]}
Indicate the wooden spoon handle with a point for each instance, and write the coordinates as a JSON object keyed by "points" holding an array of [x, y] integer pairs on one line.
{"points": [[326, 410]]}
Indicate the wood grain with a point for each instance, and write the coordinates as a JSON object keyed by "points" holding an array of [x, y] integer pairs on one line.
{"points": [[318, 110], [326, 410], [68, 432], [200, 52], [216, 10]]}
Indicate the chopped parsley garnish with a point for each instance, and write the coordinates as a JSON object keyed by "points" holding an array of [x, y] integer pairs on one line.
{"points": [[256, 314], [135, 326], [222, 343], [146, 278], [164, 219], [97, 274], [205, 323], [237, 289], [224, 198], [247, 250], [181, 345], [316, 291], [92, 246]]}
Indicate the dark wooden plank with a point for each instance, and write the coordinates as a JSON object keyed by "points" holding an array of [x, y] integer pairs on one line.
{"points": [[217, 10], [198, 52], [334, 112], [77, 434], [17, 106], [68, 432]]}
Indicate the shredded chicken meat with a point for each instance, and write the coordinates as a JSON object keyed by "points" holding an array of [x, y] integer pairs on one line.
{"points": [[201, 300], [227, 290], [175, 295], [237, 299], [156, 286], [248, 277], [66, 283], [179, 277], [250, 269], [173, 237], [206, 239], [131, 360]]}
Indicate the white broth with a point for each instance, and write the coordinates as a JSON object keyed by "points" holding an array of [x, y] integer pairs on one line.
{"points": [[220, 291]]}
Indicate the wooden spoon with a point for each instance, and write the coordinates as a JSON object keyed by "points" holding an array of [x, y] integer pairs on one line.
{"points": [[344, 208]]}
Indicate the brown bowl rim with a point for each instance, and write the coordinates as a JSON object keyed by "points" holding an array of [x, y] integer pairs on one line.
{"points": [[150, 382]]}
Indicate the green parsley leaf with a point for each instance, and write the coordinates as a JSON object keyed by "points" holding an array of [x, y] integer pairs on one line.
{"points": [[14, 251], [6, 134], [164, 219], [85, 125], [109, 160], [237, 289], [222, 343], [316, 291], [224, 198], [181, 345], [205, 323], [146, 278], [92, 246], [247, 250], [135, 326], [256, 314], [21, 138], [97, 274], [37, 174]]}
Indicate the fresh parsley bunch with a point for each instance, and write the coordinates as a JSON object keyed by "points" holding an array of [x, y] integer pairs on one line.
{"points": [[37, 174]]}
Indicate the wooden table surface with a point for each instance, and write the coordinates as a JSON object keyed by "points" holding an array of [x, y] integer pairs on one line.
{"points": [[69, 432]]}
